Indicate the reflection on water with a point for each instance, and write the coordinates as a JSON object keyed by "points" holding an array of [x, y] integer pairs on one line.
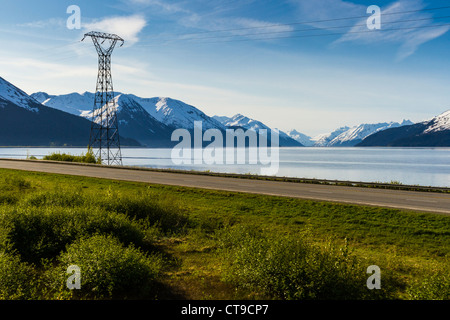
{"points": [[414, 166]]}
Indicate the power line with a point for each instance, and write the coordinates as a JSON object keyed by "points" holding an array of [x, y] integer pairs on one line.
{"points": [[307, 22], [308, 35], [304, 30], [313, 35], [343, 33]]}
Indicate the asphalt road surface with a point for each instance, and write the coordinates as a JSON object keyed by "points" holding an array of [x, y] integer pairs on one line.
{"points": [[418, 201]]}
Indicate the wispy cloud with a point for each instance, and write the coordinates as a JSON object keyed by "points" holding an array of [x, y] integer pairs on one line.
{"points": [[236, 28], [168, 7], [417, 28], [409, 29], [52, 22], [316, 12], [126, 27]]}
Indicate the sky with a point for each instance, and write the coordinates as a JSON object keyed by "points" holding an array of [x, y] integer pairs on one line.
{"points": [[313, 66]]}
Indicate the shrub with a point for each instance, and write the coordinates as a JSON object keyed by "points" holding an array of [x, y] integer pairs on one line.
{"points": [[288, 268], [16, 278], [42, 233], [89, 157], [108, 269]]}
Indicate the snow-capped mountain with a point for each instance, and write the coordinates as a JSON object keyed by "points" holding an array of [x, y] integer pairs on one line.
{"points": [[150, 121], [170, 112], [73, 103], [323, 140], [26, 122], [429, 133], [345, 136], [11, 93], [175, 113], [246, 123], [355, 135], [134, 121], [239, 120], [156, 117], [300, 137], [439, 123]]}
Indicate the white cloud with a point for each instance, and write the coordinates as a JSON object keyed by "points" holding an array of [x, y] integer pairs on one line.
{"points": [[126, 27]]}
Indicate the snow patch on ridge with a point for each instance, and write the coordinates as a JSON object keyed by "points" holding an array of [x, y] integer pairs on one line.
{"points": [[439, 123], [13, 94]]}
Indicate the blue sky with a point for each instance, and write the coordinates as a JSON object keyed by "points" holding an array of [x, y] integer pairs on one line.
{"points": [[290, 63]]}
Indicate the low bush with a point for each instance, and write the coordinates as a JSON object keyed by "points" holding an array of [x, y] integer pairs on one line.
{"points": [[288, 268], [108, 270], [42, 233], [16, 278]]}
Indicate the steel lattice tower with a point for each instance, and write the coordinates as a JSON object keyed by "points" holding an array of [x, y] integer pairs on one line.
{"points": [[104, 139]]}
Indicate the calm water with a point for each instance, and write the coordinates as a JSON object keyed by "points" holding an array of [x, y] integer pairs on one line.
{"points": [[415, 166]]}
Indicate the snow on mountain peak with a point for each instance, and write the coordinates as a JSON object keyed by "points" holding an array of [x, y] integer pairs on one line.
{"points": [[358, 133], [13, 94], [239, 120], [439, 123], [119, 103], [73, 103], [323, 140], [345, 136], [300, 137], [176, 113]]}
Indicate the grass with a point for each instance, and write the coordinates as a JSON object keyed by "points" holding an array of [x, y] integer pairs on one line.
{"points": [[136, 240]]}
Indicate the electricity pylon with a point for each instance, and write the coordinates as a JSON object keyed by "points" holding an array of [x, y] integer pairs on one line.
{"points": [[104, 139]]}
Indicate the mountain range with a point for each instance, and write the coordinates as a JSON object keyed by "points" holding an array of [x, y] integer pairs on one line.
{"points": [[430, 133], [41, 119], [151, 121], [345, 136], [26, 122], [241, 121]]}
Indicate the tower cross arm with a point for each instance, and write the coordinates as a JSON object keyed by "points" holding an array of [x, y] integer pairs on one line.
{"points": [[102, 35]]}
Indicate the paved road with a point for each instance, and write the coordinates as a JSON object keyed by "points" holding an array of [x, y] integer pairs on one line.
{"points": [[420, 201]]}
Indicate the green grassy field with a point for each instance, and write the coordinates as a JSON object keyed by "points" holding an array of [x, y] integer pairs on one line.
{"points": [[136, 240]]}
